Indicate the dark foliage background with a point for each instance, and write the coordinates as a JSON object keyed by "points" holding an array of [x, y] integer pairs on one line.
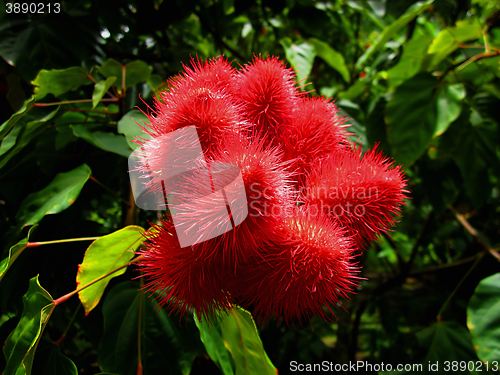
{"points": [[420, 79]]}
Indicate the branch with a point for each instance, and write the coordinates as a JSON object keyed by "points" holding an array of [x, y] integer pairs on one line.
{"points": [[468, 61], [474, 233]]}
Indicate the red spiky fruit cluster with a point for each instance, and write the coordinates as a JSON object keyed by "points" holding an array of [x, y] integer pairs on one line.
{"points": [[313, 200]]}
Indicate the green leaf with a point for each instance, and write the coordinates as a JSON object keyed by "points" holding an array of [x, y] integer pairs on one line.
{"points": [[129, 75], [49, 360], [58, 82], [211, 336], [331, 57], [450, 38], [449, 105], [55, 197], [7, 125], [165, 343], [111, 68], [411, 60], [301, 57], [483, 318], [136, 72], [103, 140], [446, 341], [391, 30], [14, 253], [100, 89], [411, 118], [21, 344], [129, 126], [242, 339], [104, 255]]}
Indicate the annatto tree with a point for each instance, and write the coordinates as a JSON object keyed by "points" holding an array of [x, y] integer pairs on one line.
{"points": [[315, 187]]}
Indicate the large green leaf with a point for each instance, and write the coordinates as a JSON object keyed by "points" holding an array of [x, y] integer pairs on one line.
{"points": [[411, 118], [211, 336], [106, 141], [7, 125], [129, 126], [165, 343], [104, 255], [450, 38], [100, 89], [331, 57], [58, 82], [242, 339], [483, 318], [392, 29], [446, 341], [449, 105], [301, 57], [55, 197], [412, 59], [21, 344]]}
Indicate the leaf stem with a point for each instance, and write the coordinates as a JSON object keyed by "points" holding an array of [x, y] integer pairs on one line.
{"points": [[69, 295], [63, 336], [36, 244], [72, 102]]}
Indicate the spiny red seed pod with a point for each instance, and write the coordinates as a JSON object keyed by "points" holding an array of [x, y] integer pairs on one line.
{"points": [[183, 279], [268, 196], [216, 73], [363, 194], [316, 131], [203, 98], [308, 267], [267, 92]]}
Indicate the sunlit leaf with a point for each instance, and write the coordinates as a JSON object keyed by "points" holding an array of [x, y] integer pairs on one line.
{"points": [[450, 39], [301, 57], [104, 255], [242, 339], [211, 336]]}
